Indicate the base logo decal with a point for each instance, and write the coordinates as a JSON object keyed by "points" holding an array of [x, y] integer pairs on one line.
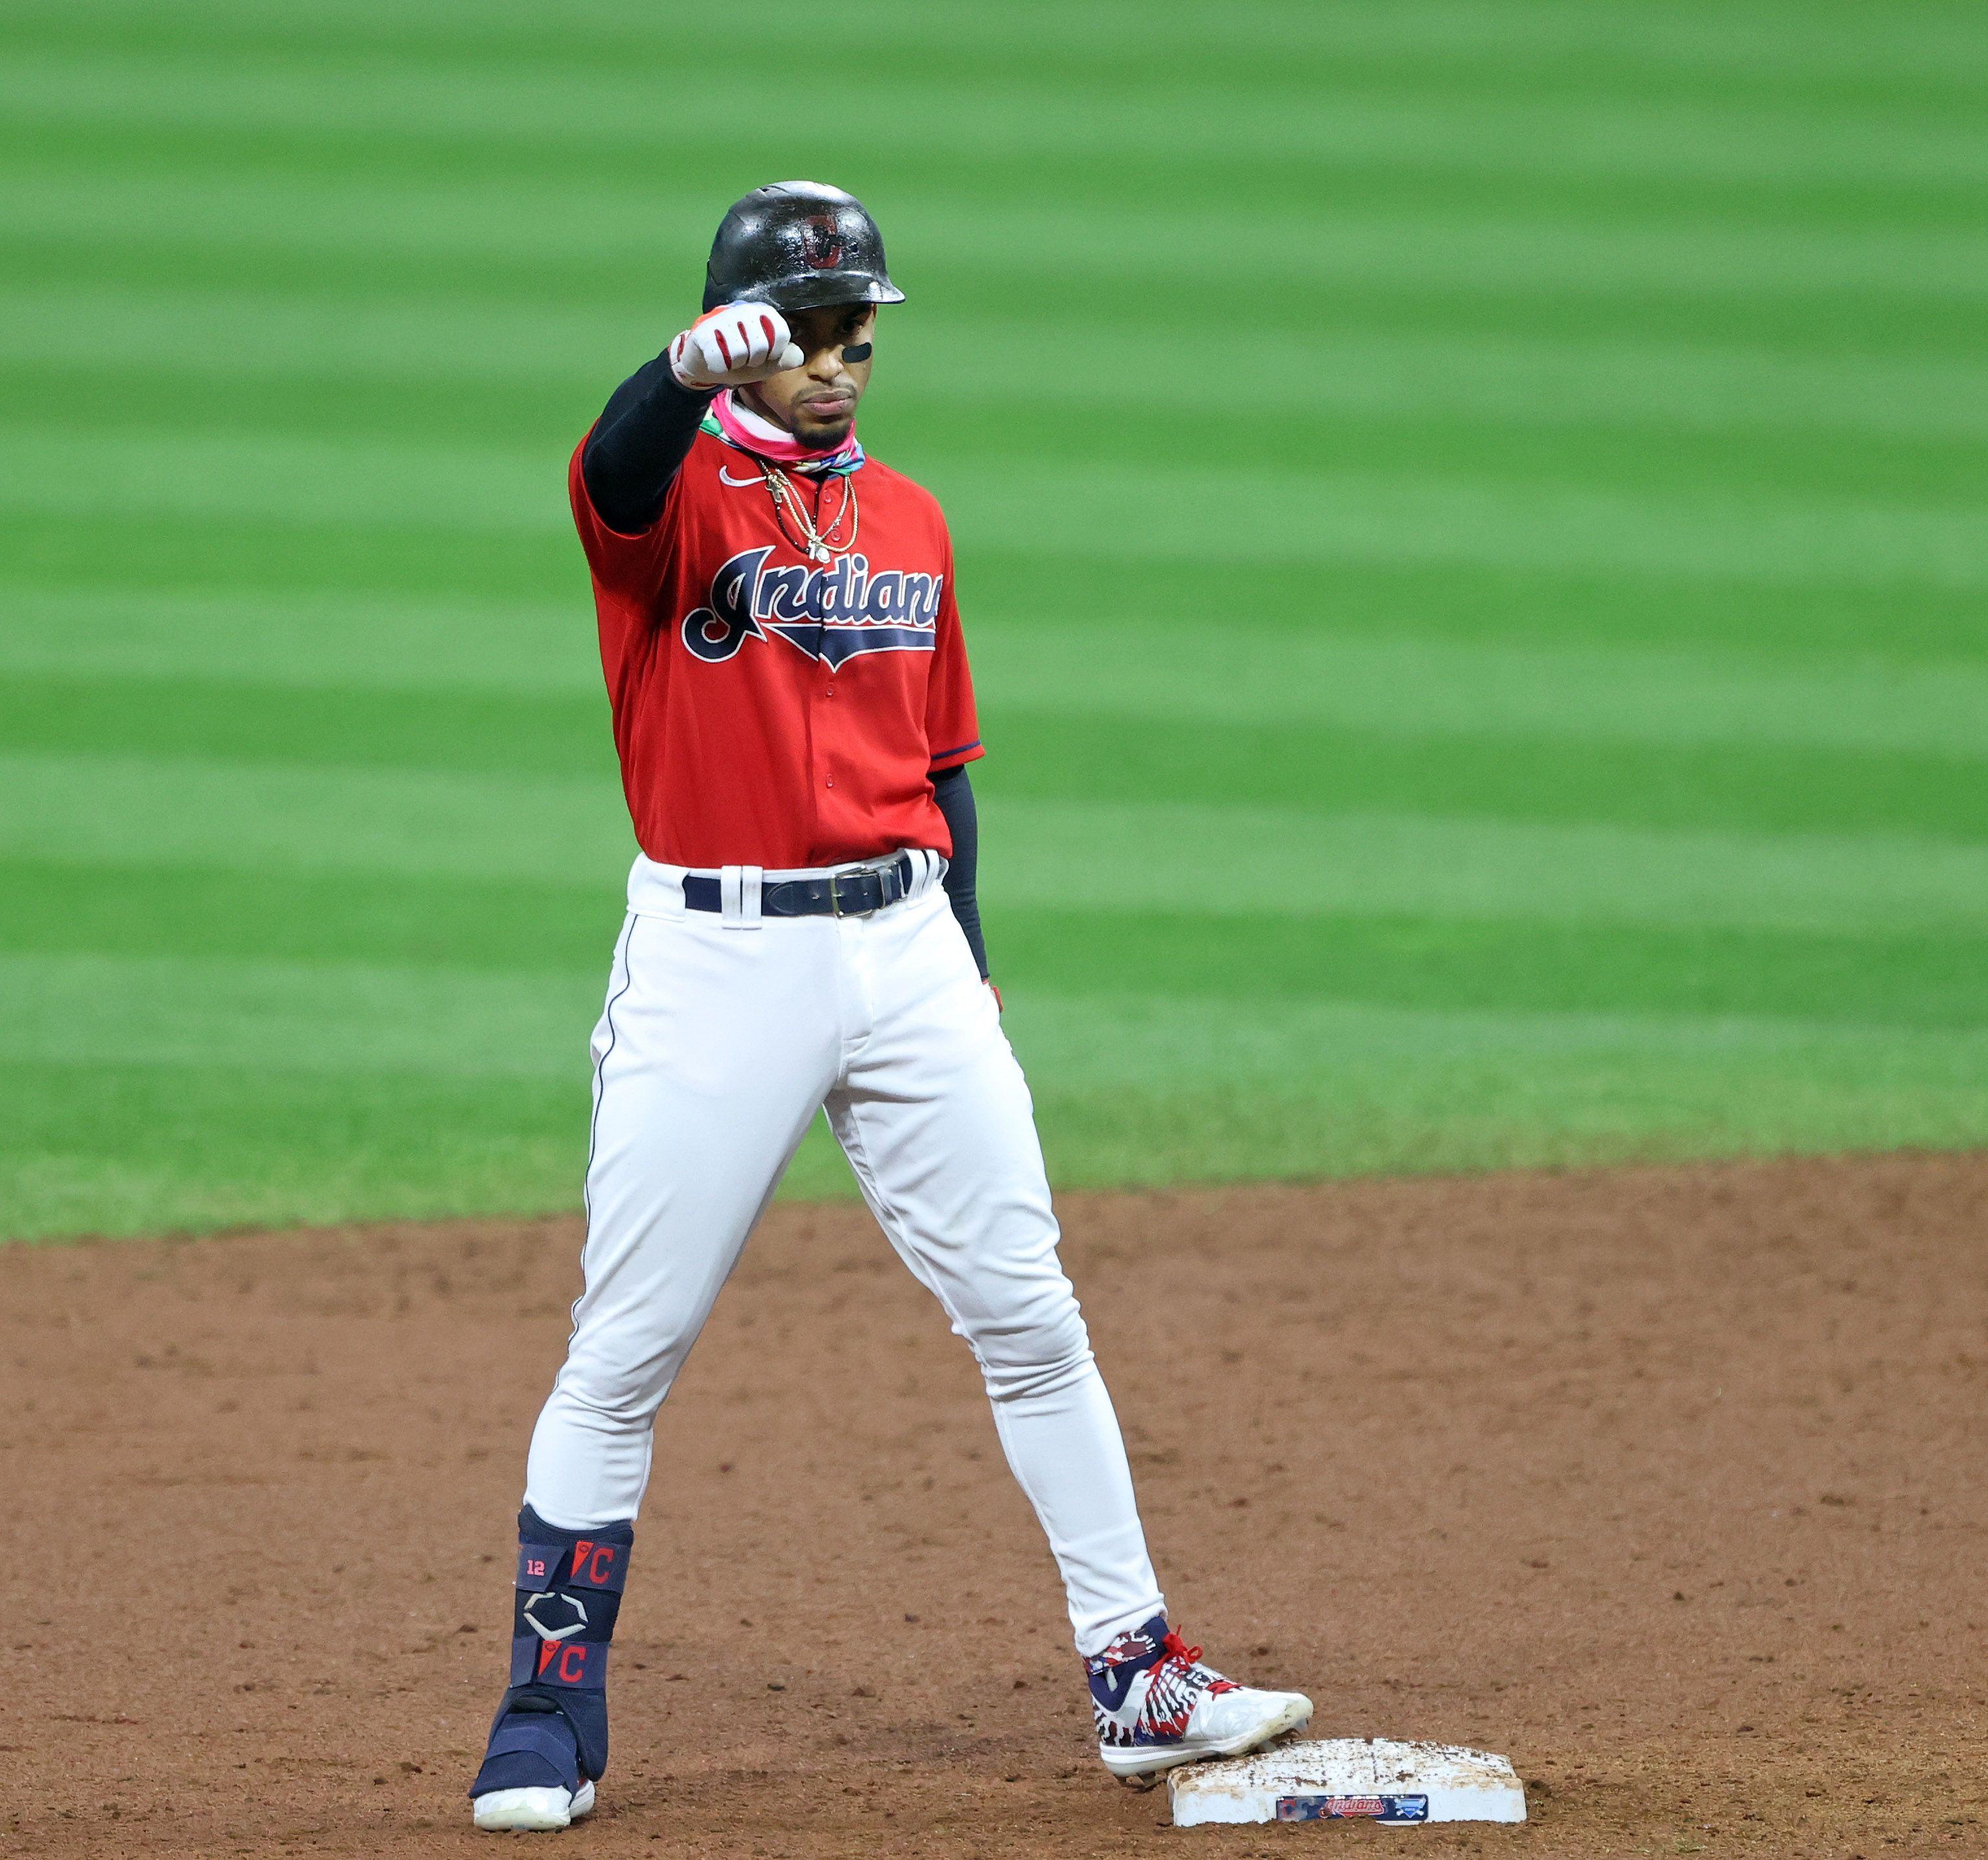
{"points": [[1389, 1810]]}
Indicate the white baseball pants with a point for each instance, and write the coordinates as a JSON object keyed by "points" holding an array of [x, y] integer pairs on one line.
{"points": [[722, 1036]]}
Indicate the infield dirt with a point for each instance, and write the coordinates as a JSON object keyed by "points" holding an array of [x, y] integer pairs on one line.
{"points": [[1668, 1483]]}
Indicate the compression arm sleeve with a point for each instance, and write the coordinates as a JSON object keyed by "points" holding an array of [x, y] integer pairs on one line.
{"points": [[955, 801], [637, 444]]}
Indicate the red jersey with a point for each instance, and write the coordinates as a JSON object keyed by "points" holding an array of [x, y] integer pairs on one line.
{"points": [[770, 710]]}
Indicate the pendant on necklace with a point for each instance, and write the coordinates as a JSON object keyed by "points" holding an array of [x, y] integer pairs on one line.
{"points": [[817, 552]]}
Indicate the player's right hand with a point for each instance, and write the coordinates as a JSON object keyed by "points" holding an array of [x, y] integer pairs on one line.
{"points": [[735, 343]]}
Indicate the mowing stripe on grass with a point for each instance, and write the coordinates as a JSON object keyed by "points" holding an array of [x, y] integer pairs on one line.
{"points": [[1237, 515], [1756, 790], [303, 638], [1464, 373], [1240, 673], [167, 1146], [349, 1017], [1738, 49], [330, 1016], [330, 570], [1529, 134], [1143, 1091], [105, 811], [1577, 777], [1075, 854], [1065, 664], [981, 236], [1928, 979], [1261, 860]]}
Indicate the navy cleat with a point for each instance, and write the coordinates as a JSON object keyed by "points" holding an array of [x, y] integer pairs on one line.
{"points": [[549, 1743]]}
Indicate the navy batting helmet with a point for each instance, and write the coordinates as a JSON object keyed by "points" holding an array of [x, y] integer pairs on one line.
{"points": [[797, 245]]}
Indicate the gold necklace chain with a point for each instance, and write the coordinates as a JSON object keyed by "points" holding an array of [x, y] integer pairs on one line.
{"points": [[818, 545]]}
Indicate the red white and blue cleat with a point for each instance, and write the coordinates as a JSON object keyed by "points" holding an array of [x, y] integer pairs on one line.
{"points": [[1157, 1706]]}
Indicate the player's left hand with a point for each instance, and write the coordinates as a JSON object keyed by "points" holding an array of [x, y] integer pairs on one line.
{"points": [[734, 344]]}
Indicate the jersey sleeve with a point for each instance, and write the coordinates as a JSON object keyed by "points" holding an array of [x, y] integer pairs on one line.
{"points": [[952, 725], [628, 566], [638, 445]]}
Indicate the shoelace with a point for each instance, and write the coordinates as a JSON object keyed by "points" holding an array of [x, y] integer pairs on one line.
{"points": [[1178, 1652]]}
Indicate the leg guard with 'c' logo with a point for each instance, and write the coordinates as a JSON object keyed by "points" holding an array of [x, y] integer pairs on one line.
{"points": [[551, 1730]]}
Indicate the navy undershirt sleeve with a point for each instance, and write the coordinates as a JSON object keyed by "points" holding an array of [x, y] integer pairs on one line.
{"points": [[955, 801], [640, 439]]}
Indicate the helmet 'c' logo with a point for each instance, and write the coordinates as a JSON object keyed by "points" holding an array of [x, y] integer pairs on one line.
{"points": [[821, 241]]}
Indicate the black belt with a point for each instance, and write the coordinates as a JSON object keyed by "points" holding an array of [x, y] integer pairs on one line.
{"points": [[835, 895]]}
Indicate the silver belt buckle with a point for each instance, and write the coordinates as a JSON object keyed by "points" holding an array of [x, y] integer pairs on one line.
{"points": [[885, 875], [835, 897]]}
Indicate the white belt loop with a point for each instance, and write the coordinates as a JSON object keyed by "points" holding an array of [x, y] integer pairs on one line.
{"points": [[738, 896]]}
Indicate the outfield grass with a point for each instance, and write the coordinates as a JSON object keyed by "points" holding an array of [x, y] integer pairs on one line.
{"points": [[1469, 519]]}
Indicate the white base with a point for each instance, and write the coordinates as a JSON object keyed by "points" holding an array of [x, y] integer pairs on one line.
{"points": [[1350, 1779]]}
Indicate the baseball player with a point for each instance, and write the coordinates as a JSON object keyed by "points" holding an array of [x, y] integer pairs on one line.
{"points": [[794, 717]]}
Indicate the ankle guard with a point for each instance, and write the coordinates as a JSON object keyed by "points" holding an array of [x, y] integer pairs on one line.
{"points": [[569, 1592], [1137, 1651]]}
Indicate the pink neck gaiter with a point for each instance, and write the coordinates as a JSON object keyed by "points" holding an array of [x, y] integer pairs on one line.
{"points": [[751, 432]]}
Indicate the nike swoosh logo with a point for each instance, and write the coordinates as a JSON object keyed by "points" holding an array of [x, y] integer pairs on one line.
{"points": [[725, 477]]}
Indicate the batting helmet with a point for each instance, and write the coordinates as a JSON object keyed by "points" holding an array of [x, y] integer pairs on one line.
{"points": [[797, 245]]}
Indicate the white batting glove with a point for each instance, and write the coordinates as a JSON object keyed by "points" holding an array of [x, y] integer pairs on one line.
{"points": [[735, 343]]}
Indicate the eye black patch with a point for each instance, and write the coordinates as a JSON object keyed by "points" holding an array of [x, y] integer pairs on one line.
{"points": [[858, 351]]}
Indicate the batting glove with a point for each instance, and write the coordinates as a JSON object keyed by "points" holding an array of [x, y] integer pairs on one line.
{"points": [[739, 342]]}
